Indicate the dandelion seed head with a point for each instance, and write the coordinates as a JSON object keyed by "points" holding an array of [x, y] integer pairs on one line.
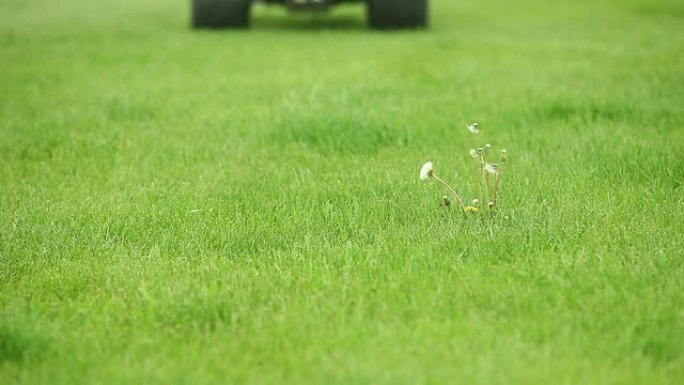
{"points": [[488, 146], [491, 168], [473, 153], [475, 202], [474, 128], [426, 171]]}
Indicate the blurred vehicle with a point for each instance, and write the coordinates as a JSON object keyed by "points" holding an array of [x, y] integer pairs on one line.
{"points": [[382, 14]]}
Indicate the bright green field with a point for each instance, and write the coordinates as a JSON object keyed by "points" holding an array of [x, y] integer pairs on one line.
{"points": [[244, 207]]}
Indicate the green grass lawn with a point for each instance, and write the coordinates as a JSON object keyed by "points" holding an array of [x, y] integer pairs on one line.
{"points": [[243, 207]]}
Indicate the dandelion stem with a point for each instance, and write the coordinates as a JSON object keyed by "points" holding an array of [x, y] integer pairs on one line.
{"points": [[496, 183], [451, 189], [477, 185], [484, 178]]}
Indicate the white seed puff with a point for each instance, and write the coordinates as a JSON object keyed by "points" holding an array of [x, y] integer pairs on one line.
{"points": [[474, 128], [426, 171], [491, 168]]}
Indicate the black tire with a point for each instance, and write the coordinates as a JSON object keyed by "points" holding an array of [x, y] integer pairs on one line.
{"points": [[220, 13], [396, 14]]}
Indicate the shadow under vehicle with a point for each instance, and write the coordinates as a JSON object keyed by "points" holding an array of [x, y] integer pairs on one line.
{"points": [[382, 14]]}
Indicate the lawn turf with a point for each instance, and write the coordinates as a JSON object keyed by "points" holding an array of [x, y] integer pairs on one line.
{"points": [[243, 207]]}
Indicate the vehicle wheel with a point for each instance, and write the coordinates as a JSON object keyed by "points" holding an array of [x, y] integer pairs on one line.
{"points": [[220, 13], [394, 14]]}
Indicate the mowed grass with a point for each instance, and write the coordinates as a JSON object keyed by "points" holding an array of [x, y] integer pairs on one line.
{"points": [[244, 206]]}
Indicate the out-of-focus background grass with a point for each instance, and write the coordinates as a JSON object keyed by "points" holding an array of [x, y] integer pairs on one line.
{"points": [[244, 206]]}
